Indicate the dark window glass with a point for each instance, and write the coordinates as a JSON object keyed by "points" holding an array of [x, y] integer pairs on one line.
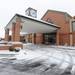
{"points": [[73, 25]]}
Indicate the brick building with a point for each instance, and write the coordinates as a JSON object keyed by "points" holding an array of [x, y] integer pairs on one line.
{"points": [[66, 33], [36, 31], [55, 28]]}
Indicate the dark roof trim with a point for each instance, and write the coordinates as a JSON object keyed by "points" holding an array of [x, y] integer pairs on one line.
{"points": [[57, 12]]}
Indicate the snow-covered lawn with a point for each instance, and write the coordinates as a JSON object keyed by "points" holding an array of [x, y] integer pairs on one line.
{"points": [[62, 56], [52, 53], [7, 54]]}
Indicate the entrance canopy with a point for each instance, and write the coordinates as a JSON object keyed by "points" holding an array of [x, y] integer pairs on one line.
{"points": [[31, 25]]}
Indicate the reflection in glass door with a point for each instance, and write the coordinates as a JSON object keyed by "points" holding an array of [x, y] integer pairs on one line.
{"points": [[49, 38]]}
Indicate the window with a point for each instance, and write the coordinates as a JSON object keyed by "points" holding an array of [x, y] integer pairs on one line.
{"points": [[49, 20], [49, 38], [73, 25], [67, 18]]}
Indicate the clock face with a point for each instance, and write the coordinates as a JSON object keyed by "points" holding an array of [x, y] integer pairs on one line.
{"points": [[33, 13]]}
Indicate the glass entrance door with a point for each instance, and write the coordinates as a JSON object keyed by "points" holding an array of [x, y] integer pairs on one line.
{"points": [[49, 38]]}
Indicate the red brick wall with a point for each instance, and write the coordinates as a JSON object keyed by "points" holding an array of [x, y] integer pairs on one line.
{"points": [[59, 19], [39, 38], [33, 38], [73, 34], [4, 47], [18, 45], [36, 38], [64, 39], [13, 32], [16, 30], [6, 34]]}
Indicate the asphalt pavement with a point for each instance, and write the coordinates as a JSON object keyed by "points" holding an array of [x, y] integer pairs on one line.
{"points": [[7, 68]]}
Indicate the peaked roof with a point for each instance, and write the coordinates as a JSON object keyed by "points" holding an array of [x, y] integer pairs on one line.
{"points": [[57, 12]]}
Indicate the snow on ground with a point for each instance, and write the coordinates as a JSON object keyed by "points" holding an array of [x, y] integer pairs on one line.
{"points": [[48, 54], [34, 55], [51, 53], [6, 54]]}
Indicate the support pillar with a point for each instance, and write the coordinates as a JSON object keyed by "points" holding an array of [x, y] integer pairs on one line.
{"points": [[17, 29], [39, 38], [13, 32], [71, 31], [33, 38], [6, 34], [57, 38]]}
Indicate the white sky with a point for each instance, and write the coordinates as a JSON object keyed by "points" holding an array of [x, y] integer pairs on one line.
{"points": [[10, 7]]}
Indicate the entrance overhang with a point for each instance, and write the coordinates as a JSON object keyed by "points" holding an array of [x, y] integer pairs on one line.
{"points": [[32, 25]]}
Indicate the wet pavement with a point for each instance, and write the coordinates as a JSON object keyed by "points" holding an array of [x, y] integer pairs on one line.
{"points": [[8, 68]]}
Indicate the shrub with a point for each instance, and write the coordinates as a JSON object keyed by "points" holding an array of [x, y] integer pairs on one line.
{"points": [[17, 50], [11, 48]]}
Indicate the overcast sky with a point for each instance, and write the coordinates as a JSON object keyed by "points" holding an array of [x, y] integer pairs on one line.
{"points": [[8, 8]]}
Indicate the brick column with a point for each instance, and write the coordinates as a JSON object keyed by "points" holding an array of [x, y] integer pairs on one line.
{"points": [[32, 37], [13, 31], [17, 29], [39, 38], [16, 26], [73, 38], [6, 34], [57, 38]]}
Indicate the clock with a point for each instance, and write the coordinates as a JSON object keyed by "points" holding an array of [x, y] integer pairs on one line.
{"points": [[31, 12]]}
